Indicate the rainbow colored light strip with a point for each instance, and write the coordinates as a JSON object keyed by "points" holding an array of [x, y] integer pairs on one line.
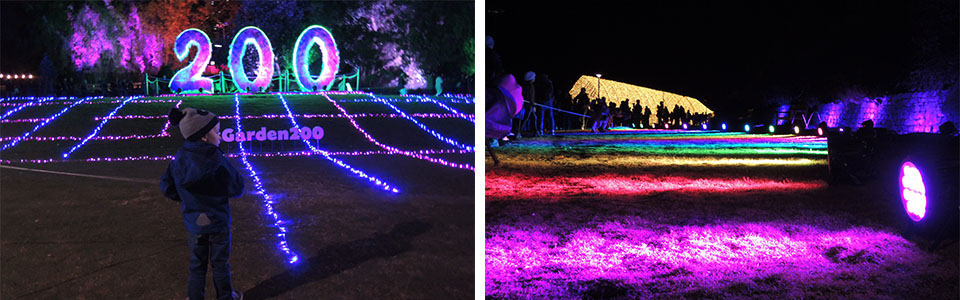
{"points": [[424, 127], [251, 35], [320, 36], [393, 149], [326, 154], [97, 130], [267, 201], [35, 128], [505, 184]]}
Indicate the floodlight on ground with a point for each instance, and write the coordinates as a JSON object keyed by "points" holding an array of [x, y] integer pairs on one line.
{"points": [[913, 193]]}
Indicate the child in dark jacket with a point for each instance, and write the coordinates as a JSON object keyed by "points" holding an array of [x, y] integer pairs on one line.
{"points": [[202, 179]]}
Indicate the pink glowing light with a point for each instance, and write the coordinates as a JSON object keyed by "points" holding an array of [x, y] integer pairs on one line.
{"points": [[251, 36], [190, 78], [89, 40], [320, 36], [913, 193]]}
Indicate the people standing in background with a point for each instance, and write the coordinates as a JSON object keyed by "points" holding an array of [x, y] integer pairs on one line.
{"points": [[582, 105], [544, 87], [529, 94], [439, 86]]}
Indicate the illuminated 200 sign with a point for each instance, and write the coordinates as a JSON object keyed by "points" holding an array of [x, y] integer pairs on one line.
{"points": [[190, 80]]}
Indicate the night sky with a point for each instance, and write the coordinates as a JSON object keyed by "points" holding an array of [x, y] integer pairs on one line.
{"points": [[731, 55]]}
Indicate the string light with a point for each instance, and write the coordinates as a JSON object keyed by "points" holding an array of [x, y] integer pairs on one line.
{"points": [[97, 130], [235, 155], [424, 127], [454, 111], [267, 201], [90, 101], [279, 116], [44, 123], [24, 105], [393, 149], [369, 138], [466, 97], [616, 91]]}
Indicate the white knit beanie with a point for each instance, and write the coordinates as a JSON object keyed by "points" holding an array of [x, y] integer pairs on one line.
{"points": [[194, 123]]}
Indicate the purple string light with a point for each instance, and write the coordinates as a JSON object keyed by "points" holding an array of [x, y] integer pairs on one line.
{"points": [[25, 105], [393, 149], [163, 133], [454, 111], [35, 128], [97, 130], [465, 97], [279, 116], [7, 101], [424, 127], [267, 201], [234, 155], [53, 102], [326, 154]]}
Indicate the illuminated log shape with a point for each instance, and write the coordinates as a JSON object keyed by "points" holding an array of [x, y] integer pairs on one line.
{"points": [[251, 36], [320, 36], [190, 79]]}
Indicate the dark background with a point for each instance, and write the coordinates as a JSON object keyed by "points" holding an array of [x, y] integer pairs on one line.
{"points": [[735, 55]]}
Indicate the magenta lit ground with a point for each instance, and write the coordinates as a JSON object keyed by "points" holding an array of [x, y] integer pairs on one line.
{"points": [[571, 218]]}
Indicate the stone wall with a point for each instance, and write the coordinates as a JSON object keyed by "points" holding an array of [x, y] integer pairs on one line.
{"points": [[903, 113]]}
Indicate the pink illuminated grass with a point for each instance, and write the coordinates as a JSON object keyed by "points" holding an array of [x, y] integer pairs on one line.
{"points": [[639, 258], [600, 216], [501, 184]]}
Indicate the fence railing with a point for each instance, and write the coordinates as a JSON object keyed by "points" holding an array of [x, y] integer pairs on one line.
{"points": [[224, 84]]}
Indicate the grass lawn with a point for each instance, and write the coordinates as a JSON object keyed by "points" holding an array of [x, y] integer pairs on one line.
{"points": [[76, 237]]}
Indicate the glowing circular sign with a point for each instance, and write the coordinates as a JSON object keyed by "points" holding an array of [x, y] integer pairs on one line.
{"points": [[315, 35], [251, 36], [913, 193]]}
